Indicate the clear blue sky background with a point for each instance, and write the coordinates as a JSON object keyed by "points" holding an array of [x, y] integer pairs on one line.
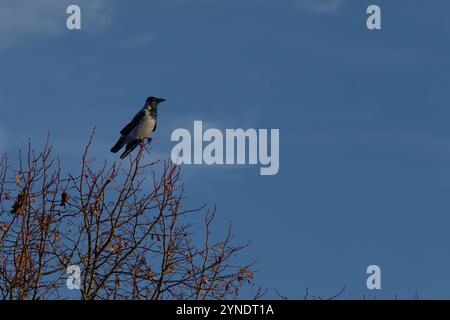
{"points": [[363, 117]]}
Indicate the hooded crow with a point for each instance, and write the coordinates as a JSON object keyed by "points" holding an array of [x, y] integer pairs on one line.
{"points": [[140, 128]]}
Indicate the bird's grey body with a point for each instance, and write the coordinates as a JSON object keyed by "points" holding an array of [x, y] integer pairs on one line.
{"points": [[144, 128], [140, 128]]}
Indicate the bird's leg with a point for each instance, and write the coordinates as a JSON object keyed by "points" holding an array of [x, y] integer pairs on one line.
{"points": [[143, 145]]}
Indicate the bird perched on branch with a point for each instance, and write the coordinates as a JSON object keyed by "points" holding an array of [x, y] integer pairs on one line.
{"points": [[140, 128]]}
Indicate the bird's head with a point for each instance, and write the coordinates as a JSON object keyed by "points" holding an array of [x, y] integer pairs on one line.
{"points": [[153, 101]]}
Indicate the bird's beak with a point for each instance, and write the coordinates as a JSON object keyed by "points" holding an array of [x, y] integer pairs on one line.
{"points": [[159, 100]]}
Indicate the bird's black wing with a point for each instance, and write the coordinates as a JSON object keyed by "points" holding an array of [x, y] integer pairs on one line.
{"points": [[129, 127], [154, 128]]}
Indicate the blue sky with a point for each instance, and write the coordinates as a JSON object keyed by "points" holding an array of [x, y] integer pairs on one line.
{"points": [[364, 137]]}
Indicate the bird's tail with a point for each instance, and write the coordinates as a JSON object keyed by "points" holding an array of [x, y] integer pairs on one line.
{"points": [[130, 147], [118, 145]]}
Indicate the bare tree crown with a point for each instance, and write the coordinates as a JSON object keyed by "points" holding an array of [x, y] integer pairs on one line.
{"points": [[124, 225]]}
